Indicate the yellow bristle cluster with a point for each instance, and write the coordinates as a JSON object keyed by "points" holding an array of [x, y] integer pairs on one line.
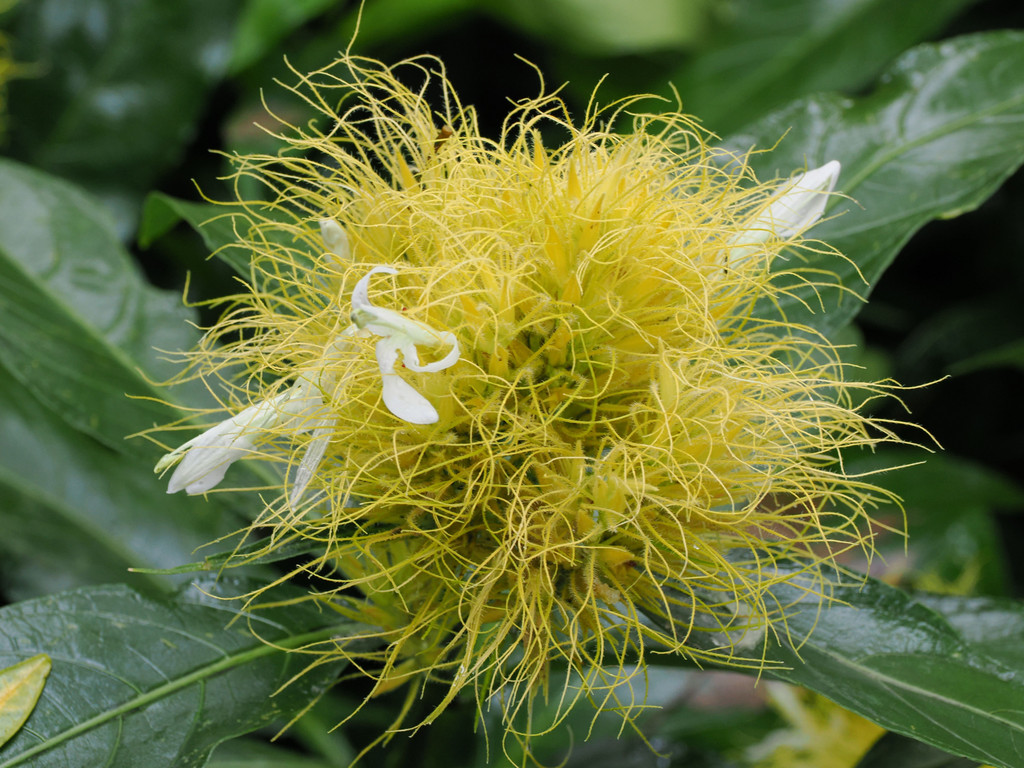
{"points": [[623, 450]]}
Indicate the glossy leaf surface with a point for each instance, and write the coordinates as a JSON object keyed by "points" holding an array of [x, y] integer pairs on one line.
{"points": [[78, 325], [913, 669], [214, 223], [105, 111], [769, 52], [141, 682], [75, 512], [938, 136], [78, 501]]}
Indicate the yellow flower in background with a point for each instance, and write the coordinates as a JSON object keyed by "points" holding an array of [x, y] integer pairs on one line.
{"points": [[821, 734], [521, 397]]}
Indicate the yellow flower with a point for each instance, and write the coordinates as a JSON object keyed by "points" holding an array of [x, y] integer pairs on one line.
{"points": [[557, 433], [821, 734]]}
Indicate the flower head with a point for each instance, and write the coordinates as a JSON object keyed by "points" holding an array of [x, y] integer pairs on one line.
{"points": [[563, 430]]}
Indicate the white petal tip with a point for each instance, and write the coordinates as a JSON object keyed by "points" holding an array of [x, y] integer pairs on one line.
{"points": [[176, 483], [361, 292], [405, 402], [335, 239], [802, 200], [821, 179]]}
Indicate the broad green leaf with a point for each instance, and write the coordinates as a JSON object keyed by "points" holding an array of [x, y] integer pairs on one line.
{"points": [[249, 753], [119, 86], [217, 223], [63, 363], [895, 660], [138, 682], [385, 22], [79, 326], [75, 512], [216, 561], [317, 729], [938, 136], [61, 239], [774, 51], [940, 483], [1008, 355], [20, 686], [992, 625], [980, 330], [214, 223]]}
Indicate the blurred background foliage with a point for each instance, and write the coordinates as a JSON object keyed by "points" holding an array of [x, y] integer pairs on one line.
{"points": [[126, 98]]}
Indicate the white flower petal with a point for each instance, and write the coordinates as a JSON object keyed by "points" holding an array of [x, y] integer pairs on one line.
{"points": [[802, 201], [400, 334], [206, 458], [361, 293], [205, 466], [399, 396], [412, 361], [310, 461], [335, 239], [405, 402], [795, 208]]}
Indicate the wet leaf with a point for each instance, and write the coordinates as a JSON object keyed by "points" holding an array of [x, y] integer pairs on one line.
{"points": [[20, 686], [943, 130], [915, 670], [772, 52], [141, 682], [117, 89]]}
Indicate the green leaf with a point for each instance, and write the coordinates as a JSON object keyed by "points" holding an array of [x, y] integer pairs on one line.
{"points": [[119, 86], [616, 27], [138, 682], [217, 561], [20, 686], [941, 484], [1009, 355], [317, 730], [775, 51], [939, 135], [992, 625], [246, 753], [60, 360], [264, 23], [387, 22], [78, 325], [893, 659], [74, 512], [977, 331], [78, 502], [215, 223]]}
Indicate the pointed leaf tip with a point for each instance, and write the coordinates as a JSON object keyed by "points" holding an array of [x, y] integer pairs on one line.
{"points": [[20, 687]]}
